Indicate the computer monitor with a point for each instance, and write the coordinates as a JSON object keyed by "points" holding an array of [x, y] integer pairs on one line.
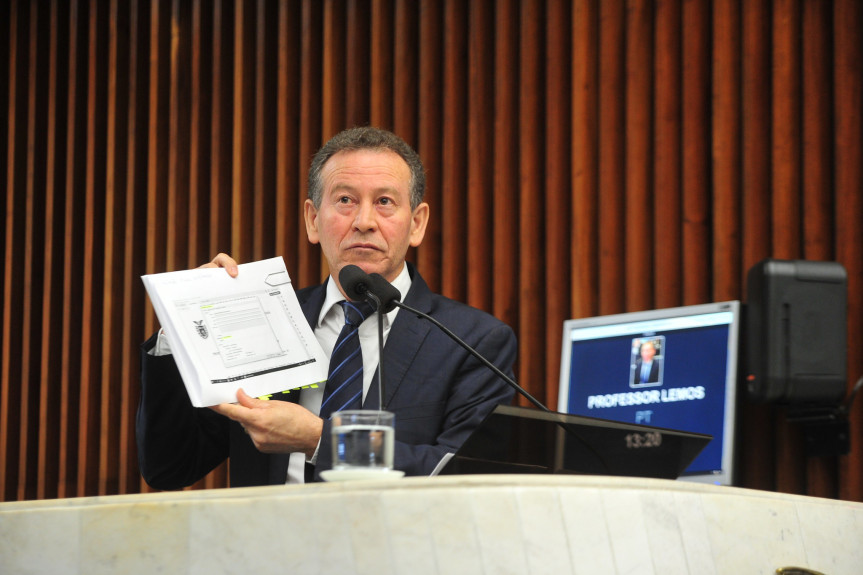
{"points": [[673, 368]]}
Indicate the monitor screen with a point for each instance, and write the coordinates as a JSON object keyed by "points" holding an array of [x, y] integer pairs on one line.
{"points": [[673, 368]]}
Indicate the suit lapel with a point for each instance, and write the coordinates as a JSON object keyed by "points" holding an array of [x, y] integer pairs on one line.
{"points": [[311, 301]]}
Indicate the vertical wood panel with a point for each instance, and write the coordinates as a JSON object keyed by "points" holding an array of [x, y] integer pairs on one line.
{"points": [[157, 169], [289, 196], [430, 147], [505, 178], [638, 244], [112, 281], [786, 130], [6, 12], [12, 309], [264, 143], [356, 59], [726, 151], [557, 186], [51, 349], [454, 172], [383, 49], [585, 157], [178, 138], [531, 201], [72, 262], [479, 156], [221, 121], [405, 75], [756, 67], [333, 85], [313, 76], [93, 265], [29, 402], [133, 244], [612, 168], [667, 169], [197, 233], [696, 152], [264, 132], [817, 124], [243, 176]]}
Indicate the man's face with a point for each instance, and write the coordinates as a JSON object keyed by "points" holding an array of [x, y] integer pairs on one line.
{"points": [[365, 217], [647, 352]]}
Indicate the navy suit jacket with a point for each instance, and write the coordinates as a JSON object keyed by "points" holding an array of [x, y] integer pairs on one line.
{"points": [[653, 377], [438, 392]]}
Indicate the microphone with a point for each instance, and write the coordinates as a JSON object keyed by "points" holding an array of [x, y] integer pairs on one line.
{"points": [[372, 288], [355, 282], [387, 292]]}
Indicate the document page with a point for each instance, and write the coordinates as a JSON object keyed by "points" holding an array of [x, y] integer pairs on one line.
{"points": [[229, 333]]}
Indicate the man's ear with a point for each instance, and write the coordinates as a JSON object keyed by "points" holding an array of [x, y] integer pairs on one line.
{"points": [[419, 221], [310, 214]]}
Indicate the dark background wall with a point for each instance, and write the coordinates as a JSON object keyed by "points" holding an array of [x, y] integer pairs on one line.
{"points": [[584, 157]]}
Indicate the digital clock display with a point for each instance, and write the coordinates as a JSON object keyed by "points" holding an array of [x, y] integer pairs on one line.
{"points": [[643, 440]]}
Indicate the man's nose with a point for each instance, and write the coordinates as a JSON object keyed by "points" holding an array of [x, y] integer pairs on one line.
{"points": [[366, 217]]}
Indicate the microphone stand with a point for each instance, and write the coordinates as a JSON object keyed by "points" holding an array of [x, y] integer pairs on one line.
{"points": [[567, 428], [476, 354], [363, 285]]}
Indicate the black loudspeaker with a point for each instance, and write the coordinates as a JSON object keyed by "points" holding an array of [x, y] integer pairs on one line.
{"points": [[796, 332]]}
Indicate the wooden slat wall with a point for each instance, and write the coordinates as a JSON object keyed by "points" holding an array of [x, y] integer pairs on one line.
{"points": [[584, 157]]}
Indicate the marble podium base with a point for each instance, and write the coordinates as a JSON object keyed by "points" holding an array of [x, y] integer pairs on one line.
{"points": [[469, 524]]}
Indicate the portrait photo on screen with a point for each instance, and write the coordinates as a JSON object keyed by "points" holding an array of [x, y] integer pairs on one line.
{"points": [[647, 361]]}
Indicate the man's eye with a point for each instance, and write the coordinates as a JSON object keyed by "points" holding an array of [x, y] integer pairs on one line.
{"points": [[344, 200], [386, 201]]}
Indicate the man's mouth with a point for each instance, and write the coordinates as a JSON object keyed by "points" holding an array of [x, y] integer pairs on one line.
{"points": [[363, 246]]}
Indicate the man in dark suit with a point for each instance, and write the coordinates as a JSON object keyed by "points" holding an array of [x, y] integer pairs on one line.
{"points": [[646, 370], [365, 208]]}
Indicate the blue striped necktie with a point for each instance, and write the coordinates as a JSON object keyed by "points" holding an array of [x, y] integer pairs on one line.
{"points": [[344, 389]]}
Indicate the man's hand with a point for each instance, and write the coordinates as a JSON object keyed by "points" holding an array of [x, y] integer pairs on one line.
{"points": [[223, 261], [275, 426]]}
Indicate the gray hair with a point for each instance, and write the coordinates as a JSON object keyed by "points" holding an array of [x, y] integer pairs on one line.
{"points": [[367, 138]]}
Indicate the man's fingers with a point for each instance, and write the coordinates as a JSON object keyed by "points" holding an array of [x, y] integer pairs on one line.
{"points": [[274, 426], [240, 411], [232, 411], [248, 401], [223, 260]]}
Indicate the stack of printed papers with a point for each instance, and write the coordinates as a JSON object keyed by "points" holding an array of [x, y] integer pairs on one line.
{"points": [[228, 333]]}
